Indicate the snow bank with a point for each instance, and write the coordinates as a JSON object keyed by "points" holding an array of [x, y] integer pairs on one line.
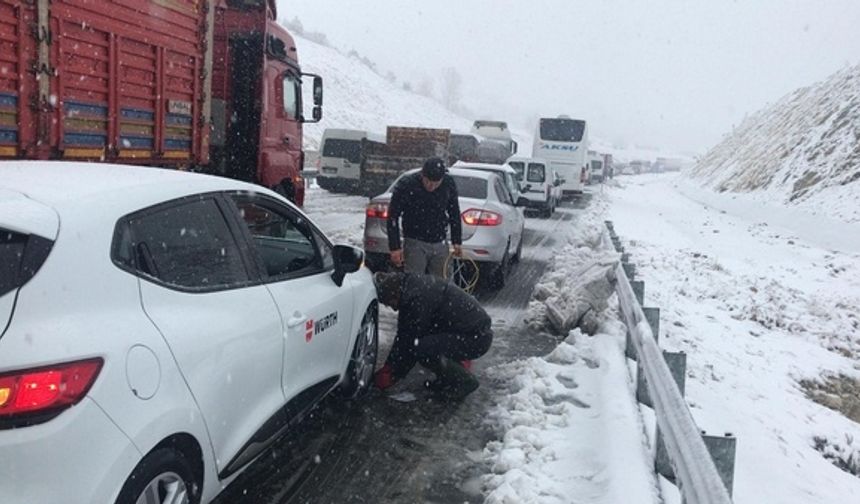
{"points": [[570, 428], [757, 311], [802, 151]]}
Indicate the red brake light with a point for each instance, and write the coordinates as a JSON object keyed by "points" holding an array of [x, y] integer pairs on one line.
{"points": [[48, 388], [475, 217], [377, 210]]}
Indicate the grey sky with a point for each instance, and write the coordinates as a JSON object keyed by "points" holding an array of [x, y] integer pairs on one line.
{"points": [[669, 73]]}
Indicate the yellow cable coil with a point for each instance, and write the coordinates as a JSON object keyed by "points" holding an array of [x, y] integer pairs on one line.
{"points": [[463, 271]]}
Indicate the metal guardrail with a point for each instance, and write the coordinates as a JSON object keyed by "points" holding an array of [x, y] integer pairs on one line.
{"points": [[690, 464]]}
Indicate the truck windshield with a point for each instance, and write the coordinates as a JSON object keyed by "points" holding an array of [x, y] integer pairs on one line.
{"points": [[562, 130], [346, 149], [471, 187], [11, 257]]}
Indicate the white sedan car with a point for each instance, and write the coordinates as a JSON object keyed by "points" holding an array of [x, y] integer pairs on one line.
{"points": [[160, 329], [493, 224]]}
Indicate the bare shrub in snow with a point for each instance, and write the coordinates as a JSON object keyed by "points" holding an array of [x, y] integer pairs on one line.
{"points": [[845, 457], [838, 392]]}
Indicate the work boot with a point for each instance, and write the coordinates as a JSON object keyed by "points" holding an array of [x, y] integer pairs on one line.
{"points": [[452, 381]]}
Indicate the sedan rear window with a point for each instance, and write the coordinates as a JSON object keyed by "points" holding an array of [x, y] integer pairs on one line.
{"points": [[471, 187], [11, 256]]}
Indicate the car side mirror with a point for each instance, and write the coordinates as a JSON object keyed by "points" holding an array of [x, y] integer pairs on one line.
{"points": [[347, 259]]}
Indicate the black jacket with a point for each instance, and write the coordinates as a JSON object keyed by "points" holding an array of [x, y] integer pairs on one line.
{"points": [[431, 305], [426, 215]]}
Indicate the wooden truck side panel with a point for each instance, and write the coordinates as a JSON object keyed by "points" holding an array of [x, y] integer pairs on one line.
{"points": [[125, 81]]}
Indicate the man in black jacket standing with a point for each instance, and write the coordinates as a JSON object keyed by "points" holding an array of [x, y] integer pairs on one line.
{"points": [[438, 325], [427, 202]]}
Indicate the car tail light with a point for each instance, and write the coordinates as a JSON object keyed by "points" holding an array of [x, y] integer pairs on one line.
{"points": [[475, 217], [377, 210], [46, 389]]}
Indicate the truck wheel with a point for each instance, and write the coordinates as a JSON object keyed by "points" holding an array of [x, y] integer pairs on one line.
{"points": [[164, 475], [285, 189]]}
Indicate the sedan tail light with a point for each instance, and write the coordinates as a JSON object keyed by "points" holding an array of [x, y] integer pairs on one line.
{"points": [[475, 217], [46, 389], [377, 210]]}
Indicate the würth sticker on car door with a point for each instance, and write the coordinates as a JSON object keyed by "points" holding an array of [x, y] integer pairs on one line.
{"points": [[313, 328]]}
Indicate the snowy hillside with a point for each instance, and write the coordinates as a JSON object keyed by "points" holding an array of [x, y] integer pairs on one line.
{"points": [[803, 151], [358, 98]]}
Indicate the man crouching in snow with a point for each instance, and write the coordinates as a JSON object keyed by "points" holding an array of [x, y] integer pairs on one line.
{"points": [[438, 325]]}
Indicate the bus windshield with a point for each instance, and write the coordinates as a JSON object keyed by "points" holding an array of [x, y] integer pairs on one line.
{"points": [[561, 130]]}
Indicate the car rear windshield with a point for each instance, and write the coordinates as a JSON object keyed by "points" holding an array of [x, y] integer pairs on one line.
{"points": [[561, 130], [346, 149], [471, 187], [537, 173]]}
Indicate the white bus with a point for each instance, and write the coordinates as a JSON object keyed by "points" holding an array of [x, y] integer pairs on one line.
{"points": [[564, 143]]}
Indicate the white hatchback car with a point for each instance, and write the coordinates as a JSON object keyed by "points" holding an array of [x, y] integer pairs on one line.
{"points": [[160, 329]]}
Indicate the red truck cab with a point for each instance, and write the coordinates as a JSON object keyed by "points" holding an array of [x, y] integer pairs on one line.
{"points": [[203, 85]]}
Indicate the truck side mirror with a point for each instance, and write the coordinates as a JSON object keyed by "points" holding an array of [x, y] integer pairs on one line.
{"points": [[317, 113], [514, 147], [318, 91]]}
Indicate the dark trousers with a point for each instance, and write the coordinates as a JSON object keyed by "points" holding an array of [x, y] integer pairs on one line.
{"points": [[406, 352], [457, 347]]}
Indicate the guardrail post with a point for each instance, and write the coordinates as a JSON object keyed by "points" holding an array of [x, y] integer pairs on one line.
{"points": [[638, 287], [677, 362], [722, 449], [629, 270], [652, 315]]}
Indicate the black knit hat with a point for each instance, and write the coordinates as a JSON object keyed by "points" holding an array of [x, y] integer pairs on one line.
{"points": [[388, 287], [434, 169]]}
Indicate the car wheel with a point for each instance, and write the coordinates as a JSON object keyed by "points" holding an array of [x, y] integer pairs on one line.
{"points": [[500, 273], [362, 361], [162, 477], [546, 212], [516, 258]]}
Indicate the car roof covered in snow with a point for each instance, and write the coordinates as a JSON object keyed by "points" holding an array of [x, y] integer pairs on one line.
{"points": [[70, 184], [484, 166]]}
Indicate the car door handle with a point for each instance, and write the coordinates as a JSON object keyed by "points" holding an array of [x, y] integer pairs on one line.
{"points": [[296, 320]]}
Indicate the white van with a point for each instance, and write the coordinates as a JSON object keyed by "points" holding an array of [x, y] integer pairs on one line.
{"points": [[342, 152], [540, 183]]}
